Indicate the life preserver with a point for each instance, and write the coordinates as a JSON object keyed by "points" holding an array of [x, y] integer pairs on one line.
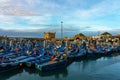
{"points": [[20, 64], [35, 51], [52, 57], [2, 58]]}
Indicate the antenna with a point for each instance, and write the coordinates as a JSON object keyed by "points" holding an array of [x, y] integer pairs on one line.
{"points": [[61, 29]]}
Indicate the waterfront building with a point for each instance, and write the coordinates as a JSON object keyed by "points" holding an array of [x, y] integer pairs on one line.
{"points": [[79, 36], [49, 35]]}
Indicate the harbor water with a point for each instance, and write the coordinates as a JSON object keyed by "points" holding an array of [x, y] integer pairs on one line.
{"points": [[103, 68]]}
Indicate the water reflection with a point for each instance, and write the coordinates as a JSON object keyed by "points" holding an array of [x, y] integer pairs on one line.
{"points": [[93, 64], [12, 73], [84, 70], [56, 73], [6, 75]]}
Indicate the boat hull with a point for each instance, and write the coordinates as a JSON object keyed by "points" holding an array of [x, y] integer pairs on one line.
{"points": [[52, 65], [8, 66]]}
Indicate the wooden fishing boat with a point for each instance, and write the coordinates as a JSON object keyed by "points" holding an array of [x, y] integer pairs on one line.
{"points": [[81, 55], [40, 60], [51, 65], [8, 66], [12, 63]]}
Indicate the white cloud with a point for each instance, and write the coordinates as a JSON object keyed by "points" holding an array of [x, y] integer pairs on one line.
{"points": [[28, 7], [4, 1], [98, 28], [17, 8], [35, 12], [104, 8]]}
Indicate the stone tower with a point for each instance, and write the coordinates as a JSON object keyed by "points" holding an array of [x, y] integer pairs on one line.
{"points": [[49, 35]]}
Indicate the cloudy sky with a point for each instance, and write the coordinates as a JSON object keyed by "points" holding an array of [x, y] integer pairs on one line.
{"points": [[34, 17]]}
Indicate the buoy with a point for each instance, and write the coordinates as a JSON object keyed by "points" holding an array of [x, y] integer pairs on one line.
{"points": [[52, 57], [20, 64], [2, 58]]}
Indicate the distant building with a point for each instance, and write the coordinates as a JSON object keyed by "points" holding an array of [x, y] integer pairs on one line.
{"points": [[96, 37], [49, 35], [118, 36], [79, 36], [106, 35]]}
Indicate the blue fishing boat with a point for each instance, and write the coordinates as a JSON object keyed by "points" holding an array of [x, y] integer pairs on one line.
{"points": [[81, 55], [72, 54], [51, 65], [91, 53], [77, 54], [10, 64], [105, 51], [38, 60]]}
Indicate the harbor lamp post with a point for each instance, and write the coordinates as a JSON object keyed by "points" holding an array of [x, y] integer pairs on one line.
{"points": [[61, 29]]}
